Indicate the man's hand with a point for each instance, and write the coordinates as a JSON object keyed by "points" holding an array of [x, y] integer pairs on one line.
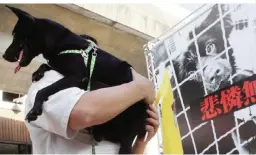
{"points": [[146, 86], [151, 127], [152, 124]]}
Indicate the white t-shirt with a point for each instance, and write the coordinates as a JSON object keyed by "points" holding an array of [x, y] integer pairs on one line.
{"points": [[50, 133]]}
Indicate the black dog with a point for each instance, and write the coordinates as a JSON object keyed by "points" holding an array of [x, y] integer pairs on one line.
{"points": [[34, 36]]}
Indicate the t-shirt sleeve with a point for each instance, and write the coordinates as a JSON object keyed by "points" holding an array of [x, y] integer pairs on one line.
{"points": [[56, 111]]}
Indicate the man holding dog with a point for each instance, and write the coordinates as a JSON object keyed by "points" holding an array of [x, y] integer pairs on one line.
{"points": [[66, 113]]}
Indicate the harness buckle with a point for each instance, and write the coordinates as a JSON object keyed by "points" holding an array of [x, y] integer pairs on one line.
{"points": [[94, 51], [84, 54]]}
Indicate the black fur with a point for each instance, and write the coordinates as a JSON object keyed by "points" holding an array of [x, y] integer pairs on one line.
{"points": [[43, 36], [39, 73]]}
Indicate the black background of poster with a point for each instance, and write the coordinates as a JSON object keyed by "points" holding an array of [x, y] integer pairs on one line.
{"points": [[195, 106]]}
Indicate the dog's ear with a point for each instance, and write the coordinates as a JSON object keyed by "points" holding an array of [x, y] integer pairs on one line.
{"points": [[212, 16], [21, 14]]}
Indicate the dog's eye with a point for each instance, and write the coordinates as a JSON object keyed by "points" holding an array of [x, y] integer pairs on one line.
{"points": [[210, 49]]}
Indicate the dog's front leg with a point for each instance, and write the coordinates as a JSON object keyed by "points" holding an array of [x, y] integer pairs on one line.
{"points": [[43, 94], [39, 73]]}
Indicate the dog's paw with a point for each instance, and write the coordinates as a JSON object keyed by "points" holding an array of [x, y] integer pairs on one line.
{"points": [[31, 116], [36, 76], [125, 150], [98, 138], [34, 113]]}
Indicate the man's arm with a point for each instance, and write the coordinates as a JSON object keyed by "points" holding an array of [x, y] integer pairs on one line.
{"points": [[99, 106]]}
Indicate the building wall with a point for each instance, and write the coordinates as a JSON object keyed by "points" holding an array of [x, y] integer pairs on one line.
{"points": [[123, 45], [147, 20], [144, 20]]}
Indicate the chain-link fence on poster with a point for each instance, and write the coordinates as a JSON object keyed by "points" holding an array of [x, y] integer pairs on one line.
{"points": [[212, 51]]}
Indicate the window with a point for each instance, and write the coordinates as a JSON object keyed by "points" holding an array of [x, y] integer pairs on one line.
{"points": [[8, 97]]}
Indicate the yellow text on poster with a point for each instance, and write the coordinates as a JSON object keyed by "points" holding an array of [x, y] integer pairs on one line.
{"points": [[170, 130]]}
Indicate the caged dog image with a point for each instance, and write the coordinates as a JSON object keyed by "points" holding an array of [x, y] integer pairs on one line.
{"points": [[215, 64], [208, 63]]}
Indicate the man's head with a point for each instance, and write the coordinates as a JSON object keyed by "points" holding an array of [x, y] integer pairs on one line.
{"points": [[87, 37]]}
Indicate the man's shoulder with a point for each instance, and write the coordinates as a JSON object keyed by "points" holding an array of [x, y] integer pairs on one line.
{"points": [[48, 79], [52, 74]]}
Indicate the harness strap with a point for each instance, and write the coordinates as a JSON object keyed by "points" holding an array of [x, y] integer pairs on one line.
{"points": [[93, 60], [85, 55]]}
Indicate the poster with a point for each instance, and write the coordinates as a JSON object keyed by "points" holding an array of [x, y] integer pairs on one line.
{"points": [[211, 52]]}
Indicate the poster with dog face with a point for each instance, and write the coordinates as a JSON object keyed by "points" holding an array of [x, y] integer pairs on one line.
{"points": [[211, 52]]}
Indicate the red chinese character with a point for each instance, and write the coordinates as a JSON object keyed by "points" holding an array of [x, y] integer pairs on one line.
{"points": [[231, 98], [249, 89], [209, 109]]}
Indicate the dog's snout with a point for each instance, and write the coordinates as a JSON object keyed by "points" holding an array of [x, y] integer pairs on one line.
{"points": [[3, 56], [8, 57]]}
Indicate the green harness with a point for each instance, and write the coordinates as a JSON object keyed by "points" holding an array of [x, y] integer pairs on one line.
{"points": [[85, 55]]}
